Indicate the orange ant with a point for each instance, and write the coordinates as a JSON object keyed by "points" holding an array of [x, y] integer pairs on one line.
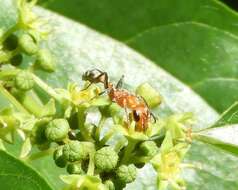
{"points": [[140, 110]]}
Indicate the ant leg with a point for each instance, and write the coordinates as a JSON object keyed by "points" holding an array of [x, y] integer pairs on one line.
{"points": [[151, 114], [154, 118], [101, 93], [86, 87], [120, 82], [127, 117], [104, 80]]}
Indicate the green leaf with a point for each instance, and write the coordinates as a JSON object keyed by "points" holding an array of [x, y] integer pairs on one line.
{"points": [[215, 168], [18, 176], [223, 137], [194, 40], [230, 116], [223, 134]]}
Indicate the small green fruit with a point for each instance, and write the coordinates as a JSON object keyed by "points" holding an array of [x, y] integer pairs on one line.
{"points": [[149, 148], [24, 81], [11, 42], [57, 130], [75, 151], [16, 60], [109, 184], [59, 158], [126, 174], [106, 159], [28, 44], [38, 134], [151, 96], [75, 168], [45, 60]]}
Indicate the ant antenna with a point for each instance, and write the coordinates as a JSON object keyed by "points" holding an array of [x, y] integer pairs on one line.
{"points": [[120, 82]]}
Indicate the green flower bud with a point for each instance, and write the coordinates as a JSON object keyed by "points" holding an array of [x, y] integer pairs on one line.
{"points": [[28, 44], [151, 96], [106, 159], [149, 148], [109, 184], [75, 151], [45, 60], [75, 168], [126, 174], [59, 159], [16, 60], [24, 81], [57, 130], [11, 42], [38, 134]]}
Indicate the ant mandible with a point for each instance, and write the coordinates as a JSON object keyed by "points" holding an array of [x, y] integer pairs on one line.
{"points": [[140, 110]]}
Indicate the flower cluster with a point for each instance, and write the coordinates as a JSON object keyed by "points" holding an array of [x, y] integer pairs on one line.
{"points": [[97, 155]]}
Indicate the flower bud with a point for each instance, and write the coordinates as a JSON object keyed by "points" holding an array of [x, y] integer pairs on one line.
{"points": [[126, 174], [75, 168], [151, 96], [57, 130], [45, 60], [109, 184], [75, 151], [16, 60], [24, 81], [106, 159], [59, 159], [11, 42], [149, 148], [28, 44]]}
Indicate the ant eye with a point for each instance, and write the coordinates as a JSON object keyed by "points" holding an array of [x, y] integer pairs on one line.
{"points": [[136, 115]]}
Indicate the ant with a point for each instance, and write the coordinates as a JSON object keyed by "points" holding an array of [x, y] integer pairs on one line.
{"points": [[140, 110]]}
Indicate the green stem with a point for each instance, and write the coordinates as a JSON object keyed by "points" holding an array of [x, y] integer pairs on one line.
{"points": [[99, 128], [143, 159], [31, 102], [39, 155], [47, 88], [128, 151], [12, 99], [91, 165], [119, 145], [2, 147], [107, 137], [5, 74], [81, 121]]}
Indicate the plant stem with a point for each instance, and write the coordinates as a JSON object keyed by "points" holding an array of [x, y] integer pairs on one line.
{"points": [[128, 151], [32, 103], [91, 164], [108, 135], [47, 88], [5, 74], [99, 128], [40, 154], [81, 120], [12, 99], [119, 145]]}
